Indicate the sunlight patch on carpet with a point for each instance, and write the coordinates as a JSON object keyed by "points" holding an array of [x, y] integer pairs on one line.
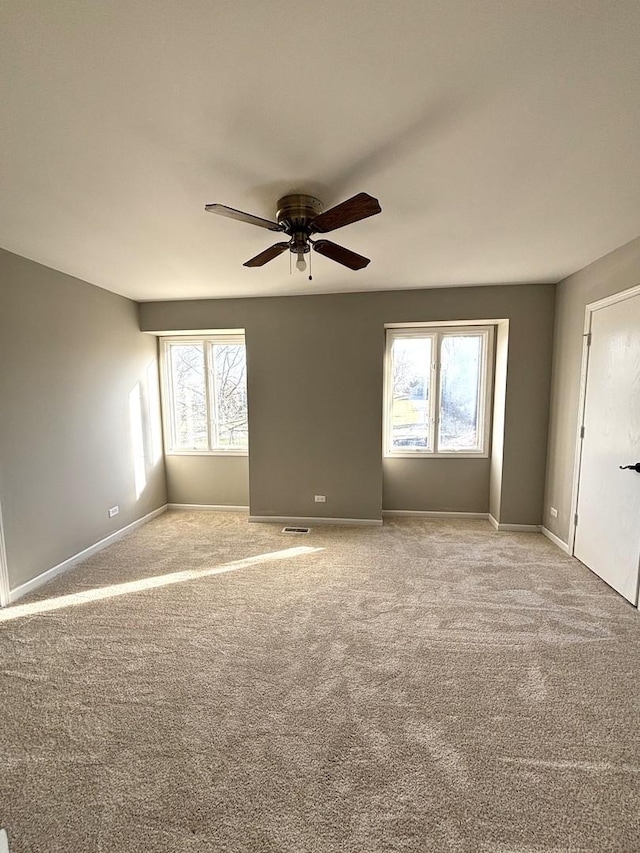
{"points": [[90, 595]]}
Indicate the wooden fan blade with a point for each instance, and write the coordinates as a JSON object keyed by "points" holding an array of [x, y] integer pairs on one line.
{"points": [[352, 210], [268, 255], [223, 210], [338, 253]]}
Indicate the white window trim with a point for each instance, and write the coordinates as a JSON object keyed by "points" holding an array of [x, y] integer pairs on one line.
{"points": [[235, 337], [437, 330]]}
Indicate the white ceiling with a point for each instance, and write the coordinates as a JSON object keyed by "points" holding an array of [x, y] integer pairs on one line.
{"points": [[500, 136]]}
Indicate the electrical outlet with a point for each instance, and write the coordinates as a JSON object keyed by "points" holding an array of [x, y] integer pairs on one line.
{"points": [[553, 512], [114, 511], [320, 499]]}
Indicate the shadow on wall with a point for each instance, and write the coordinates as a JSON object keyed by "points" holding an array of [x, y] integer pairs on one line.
{"points": [[145, 427]]}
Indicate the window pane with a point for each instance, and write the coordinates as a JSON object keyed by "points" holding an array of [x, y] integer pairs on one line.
{"points": [[460, 377], [230, 395], [189, 397], [411, 378]]}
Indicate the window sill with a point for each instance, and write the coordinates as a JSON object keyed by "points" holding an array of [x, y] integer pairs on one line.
{"points": [[207, 453], [423, 455]]}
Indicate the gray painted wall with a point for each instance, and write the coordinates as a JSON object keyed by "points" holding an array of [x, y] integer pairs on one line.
{"points": [[70, 355], [209, 480], [436, 485], [315, 381], [617, 271]]}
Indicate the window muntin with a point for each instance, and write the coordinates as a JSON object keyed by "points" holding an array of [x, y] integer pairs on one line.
{"points": [[205, 395], [446, 414]]}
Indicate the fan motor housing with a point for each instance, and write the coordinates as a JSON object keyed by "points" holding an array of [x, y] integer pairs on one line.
{"points": [[297, 211]]}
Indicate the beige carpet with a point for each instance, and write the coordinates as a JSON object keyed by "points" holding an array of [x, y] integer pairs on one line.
{"points": [[426, 686]]}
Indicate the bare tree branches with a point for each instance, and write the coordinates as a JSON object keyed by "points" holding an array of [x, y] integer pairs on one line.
{"points": [[209, 412]]}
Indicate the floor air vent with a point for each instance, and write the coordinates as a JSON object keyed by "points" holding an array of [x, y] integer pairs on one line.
{"points": [[295, 529]]}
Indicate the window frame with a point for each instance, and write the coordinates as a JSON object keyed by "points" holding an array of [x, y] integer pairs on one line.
{"points": [[485, 391], [168, 409]]}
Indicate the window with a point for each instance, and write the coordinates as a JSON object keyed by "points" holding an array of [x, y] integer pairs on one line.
{"points": [[436, 394], [205, 394]]}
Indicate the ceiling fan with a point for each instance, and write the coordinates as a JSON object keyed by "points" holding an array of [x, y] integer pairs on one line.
{"points": [[299, 216]]}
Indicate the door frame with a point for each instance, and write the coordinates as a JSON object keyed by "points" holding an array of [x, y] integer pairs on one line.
{"points": [[589, 311]]}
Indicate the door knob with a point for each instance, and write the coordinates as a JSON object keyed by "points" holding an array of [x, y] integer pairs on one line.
{"points": [[635, 467]]}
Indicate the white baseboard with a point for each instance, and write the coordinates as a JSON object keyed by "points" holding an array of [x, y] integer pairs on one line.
{"points": [[555, 539], [209, 507], [507, 528], [514, 528], [300, 520], [45, 577], [428, 514]]}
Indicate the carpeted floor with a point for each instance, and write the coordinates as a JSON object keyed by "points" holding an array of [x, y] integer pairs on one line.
{"points": [[210, 685]]}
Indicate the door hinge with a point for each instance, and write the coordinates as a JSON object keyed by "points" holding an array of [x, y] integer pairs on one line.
{"points": [[575, 520], [589, 339], [581, 432]]}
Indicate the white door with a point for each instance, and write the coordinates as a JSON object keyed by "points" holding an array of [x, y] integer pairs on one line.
{"points": [[608, 530]]}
